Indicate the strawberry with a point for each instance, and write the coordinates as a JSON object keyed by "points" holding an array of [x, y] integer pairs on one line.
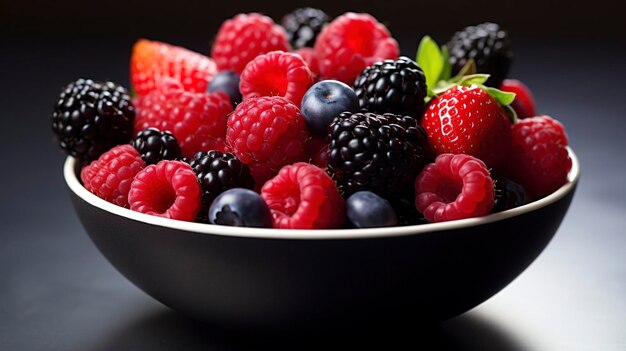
{"points": [[151, 61], [467, 120]]}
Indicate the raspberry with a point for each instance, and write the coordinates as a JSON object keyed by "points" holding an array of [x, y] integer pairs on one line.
{"points": [[454, 187], [151, 61], [303, 196], [308, 55], [350, 43], [197, 120], [539, 160], [266, 133], [276, 73], [109, 177], [168, 189], [243, 38], [524, 103]]}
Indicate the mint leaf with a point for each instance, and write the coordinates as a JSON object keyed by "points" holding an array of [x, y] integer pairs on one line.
{"points": [[503, 97], [446, 72], [477, 79], [430, 59]]}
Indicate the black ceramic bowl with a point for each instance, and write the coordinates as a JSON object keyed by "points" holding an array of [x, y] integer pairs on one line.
{"points": [[269, 278]]}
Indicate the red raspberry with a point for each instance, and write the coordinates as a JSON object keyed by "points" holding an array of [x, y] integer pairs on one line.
{"points": [[524, 103], [276, 73], [267, 133], [454, 187], [109, 176], [303, 196], [168, 189], [151, 61], [539, 159], [350, 43], [309, 56], [197, 120], [245, 37]]}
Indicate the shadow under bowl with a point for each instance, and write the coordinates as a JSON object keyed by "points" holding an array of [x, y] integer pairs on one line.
{"points": [[270, 279]]}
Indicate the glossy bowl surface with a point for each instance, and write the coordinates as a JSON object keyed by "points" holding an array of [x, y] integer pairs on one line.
{"points": [[259, 279]]}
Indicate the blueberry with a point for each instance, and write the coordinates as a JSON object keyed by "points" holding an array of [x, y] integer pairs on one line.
{"points": [[324, 101], [366, 210], [240, 207], [228, 82]]}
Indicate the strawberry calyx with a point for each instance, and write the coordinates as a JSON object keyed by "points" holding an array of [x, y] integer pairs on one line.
{"points": [[436, 66]]}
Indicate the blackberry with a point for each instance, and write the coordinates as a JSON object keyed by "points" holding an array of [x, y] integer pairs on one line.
{"points": [[303, 25], [488, 45], [379, 153], [509, 195], [91, 117], [154, 145], [218, 172], [390, 86]]}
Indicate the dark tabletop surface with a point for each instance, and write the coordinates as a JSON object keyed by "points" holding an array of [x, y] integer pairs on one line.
{"points": [[58, 293]]}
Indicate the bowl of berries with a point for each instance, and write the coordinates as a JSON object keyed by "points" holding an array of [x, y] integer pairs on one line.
{"points": [[306, 174]]}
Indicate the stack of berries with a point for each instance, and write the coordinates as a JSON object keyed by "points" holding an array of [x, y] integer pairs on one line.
{"points": [[315, 123]]}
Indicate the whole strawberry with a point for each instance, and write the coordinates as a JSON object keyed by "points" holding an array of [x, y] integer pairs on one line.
{"points": [[151, 61], [467, 120]]}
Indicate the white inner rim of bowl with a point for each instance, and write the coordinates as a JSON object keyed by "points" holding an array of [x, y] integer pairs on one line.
{"points": [[308, 234]]}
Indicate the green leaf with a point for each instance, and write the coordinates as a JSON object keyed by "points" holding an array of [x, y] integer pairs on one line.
{"points": [[430, 59], [512, 114], [477, 79], [503, 97], [447, 67]]}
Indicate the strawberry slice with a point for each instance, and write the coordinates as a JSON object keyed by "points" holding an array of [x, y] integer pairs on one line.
{"points": [[152, 61]]}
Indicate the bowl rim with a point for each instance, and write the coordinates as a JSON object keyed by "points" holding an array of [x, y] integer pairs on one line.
{"points": [[77, 188]]}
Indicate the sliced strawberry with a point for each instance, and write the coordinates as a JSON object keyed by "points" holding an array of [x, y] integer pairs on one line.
{"points": [[152, 61]]}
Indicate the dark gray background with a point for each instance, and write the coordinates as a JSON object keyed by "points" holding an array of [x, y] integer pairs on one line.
{"points": [[58, 293]]}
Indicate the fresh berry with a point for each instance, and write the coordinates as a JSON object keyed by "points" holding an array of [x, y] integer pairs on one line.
{"points": [[488, 45], [90, 118], [197, 120], [392, 86], [539, 158], [365, 209], [379, 153], [245, 37], [151, 61], [524, 103], [309, 56], [466, 120], [168, 189], [218, 172], [228, 82], [240, 207], [267, 133], [454, 187], [324, 101], [317, 149], [154, 145], [303, 196], [508, 195], [109, 177], [276, 73], [350, 43], [303, 25]]}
